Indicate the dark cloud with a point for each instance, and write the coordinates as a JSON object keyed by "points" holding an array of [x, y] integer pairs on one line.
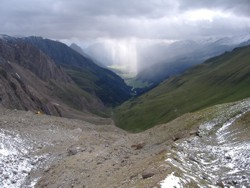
{"points": [[64, 19], [128, 8]]}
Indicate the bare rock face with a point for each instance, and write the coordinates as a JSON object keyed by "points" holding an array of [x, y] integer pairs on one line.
{"points": [[30, 80]]}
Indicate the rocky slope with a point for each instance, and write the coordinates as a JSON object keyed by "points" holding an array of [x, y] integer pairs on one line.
{"points": [[30, 80], [90, 77], [47, 151]]}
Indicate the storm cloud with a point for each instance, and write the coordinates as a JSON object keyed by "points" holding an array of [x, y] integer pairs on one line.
{"points": [[151, 19]]}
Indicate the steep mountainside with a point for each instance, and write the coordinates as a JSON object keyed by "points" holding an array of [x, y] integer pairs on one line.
{"points": [[221, 79], [109, 87], [30, 80], [177, 57]]}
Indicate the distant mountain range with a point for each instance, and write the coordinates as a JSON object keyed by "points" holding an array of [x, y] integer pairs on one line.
{"points": [[48, 76], [221, 79]]}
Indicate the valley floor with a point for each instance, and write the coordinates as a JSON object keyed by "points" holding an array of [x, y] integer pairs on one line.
{"points": [[46, 151]]}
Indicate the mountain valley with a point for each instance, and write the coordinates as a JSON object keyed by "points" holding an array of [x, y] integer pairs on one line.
{"points": [[124, 94], [67, 122], [109, 87]]}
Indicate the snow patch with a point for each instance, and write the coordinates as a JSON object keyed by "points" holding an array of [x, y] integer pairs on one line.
{"points": [[171, 182], [15, 164]]}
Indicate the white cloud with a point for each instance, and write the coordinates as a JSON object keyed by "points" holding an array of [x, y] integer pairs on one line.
{"points": [[204, 14]]}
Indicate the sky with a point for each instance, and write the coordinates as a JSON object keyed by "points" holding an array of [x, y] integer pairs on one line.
{"points": [[124, 20], [151, 19]]}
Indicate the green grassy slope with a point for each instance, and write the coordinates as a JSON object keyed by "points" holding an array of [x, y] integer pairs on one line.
{"points": [[221, 79]]}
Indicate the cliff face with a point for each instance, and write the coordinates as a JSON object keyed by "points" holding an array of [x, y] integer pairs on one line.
{"points": [[30, 80]]}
